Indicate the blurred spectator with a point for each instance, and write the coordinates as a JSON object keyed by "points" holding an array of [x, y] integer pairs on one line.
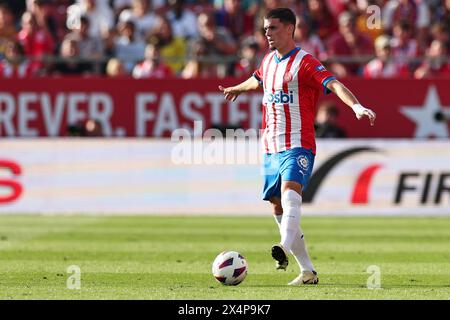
{"points": [[36, 42], [441, 31], [308, 41], [152, 66], [212, 31], [92, 128], [17, 7], [15, 64], [218, 39], [414, 12], [89, 47], [115, 68], [249, 60], [120, 5], [199, 6], [126, 47], [442, 12], [101, 17], [384, 65], [348, 43], [404, 47], [199, 66], [44, 10], [141, 15], [215, 42], [159, 6], [70, 63], [336, 7], [323, 23], [172, 48], [59, 13], [7, 28], [88, 128], [435, 64], [326, 121], [234, 19], [247, 5], [183, 21]]}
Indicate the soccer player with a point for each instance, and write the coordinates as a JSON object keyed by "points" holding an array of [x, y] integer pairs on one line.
{"points": [[292, 81]]}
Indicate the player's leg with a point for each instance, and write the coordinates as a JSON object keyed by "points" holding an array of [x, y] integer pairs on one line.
{"points": [[298, 248], [289, 223], [277, 208], [296, 167], [272, 193], [292, 234]]}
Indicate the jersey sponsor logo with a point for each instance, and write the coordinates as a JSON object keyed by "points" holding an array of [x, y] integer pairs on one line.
{"points": [[279, 97]]}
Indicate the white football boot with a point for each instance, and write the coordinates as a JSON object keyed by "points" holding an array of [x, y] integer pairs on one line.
{"points": [[306, 277]]}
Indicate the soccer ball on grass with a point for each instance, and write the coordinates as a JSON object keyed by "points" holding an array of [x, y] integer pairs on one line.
{"points": [[230, 268]]}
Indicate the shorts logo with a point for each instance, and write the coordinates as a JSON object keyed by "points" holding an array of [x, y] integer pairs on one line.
{"points": [[303, 162], [287, 77]]}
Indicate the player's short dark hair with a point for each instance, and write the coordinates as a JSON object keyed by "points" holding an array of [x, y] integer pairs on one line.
{"points": [[285, 15]]}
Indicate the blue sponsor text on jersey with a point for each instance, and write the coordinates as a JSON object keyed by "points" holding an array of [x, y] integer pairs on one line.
{"points": [[279, 97]]}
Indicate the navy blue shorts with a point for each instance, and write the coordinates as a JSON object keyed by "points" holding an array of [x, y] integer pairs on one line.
{"points": [[291, 165]]}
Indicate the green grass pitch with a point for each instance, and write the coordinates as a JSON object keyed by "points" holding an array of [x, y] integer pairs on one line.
{"points": [[170, 257]]}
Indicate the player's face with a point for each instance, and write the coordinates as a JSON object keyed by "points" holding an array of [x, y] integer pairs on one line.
{"points": [[277, 33]]}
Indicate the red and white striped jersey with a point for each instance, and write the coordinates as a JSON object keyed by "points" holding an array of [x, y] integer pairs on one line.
{"points": [[292, 86]]}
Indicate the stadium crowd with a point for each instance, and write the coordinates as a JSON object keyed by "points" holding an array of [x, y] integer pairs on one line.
{"points": [[219, 38]]}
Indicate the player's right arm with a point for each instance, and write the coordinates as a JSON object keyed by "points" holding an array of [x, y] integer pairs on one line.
{"points": [[231, 93]]}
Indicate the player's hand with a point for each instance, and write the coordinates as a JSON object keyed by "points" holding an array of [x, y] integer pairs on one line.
{"points": [[230, 93], [360, 112]]}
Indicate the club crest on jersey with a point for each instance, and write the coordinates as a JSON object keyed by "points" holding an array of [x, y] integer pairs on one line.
{"points": [[279, 97], [303, 162], [320, 68], [287, 77]]}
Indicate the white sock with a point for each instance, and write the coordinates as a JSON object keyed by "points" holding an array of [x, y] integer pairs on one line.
{"points": [[290, 202], [298, 248], [301, 253]]}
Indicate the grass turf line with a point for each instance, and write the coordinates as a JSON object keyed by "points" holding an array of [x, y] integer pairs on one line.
{"points": [[152, 257]]}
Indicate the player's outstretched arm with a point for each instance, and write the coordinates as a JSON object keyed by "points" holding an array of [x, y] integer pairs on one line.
{"points": [[349, 99], [231, 93]]}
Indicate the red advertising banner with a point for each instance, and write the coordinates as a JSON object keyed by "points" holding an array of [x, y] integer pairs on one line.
{"points": [[143, 108]]}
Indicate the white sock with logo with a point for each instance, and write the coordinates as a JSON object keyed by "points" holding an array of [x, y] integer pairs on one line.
{"points": [[298, 247]]}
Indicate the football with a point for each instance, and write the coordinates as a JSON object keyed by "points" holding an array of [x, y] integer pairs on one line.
{"points": [[230, 268]]}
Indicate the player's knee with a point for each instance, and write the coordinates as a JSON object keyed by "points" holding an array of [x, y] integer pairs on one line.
{"points": [[290, 198], [277, 209]]}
